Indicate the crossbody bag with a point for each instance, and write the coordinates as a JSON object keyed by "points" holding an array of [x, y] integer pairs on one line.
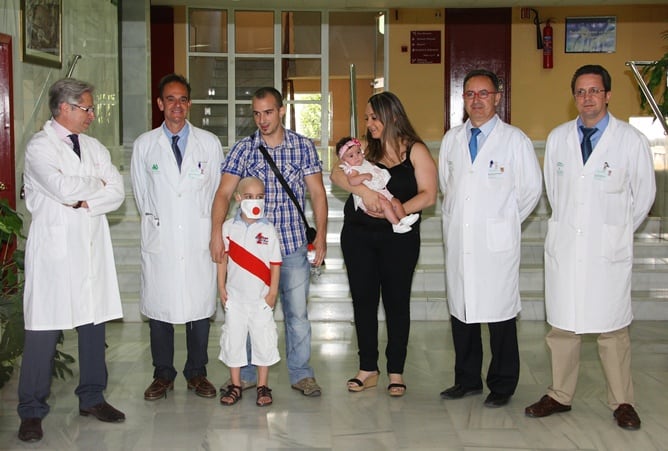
{"points": [[310, 231]]}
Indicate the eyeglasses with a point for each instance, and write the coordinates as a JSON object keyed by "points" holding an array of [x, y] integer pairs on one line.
{"points": [[589, 92], [90, 109], [173, 100], [482, 94]]}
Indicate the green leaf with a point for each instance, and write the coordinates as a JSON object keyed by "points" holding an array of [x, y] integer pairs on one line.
{"points": [[655, 78]]}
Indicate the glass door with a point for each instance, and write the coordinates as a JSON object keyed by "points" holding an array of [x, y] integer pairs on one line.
{"points": [[231, 53]]}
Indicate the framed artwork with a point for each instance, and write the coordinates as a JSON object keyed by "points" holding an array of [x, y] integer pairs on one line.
{"points": [[591, 34], [41, 22]]}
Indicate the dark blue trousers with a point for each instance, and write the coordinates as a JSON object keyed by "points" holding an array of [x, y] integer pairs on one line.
{"points": [[504, 368], [162, 348], [37, 366]]}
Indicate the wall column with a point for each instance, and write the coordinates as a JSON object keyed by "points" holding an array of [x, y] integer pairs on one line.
{"points": [[135, 71]]}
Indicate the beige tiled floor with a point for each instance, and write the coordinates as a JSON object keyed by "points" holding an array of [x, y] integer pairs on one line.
{"points": [[367, 421]]}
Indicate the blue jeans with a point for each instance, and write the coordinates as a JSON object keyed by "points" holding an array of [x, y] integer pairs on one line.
{"points": [[293, 290]]}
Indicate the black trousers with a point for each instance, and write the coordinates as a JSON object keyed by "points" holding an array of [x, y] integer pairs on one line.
{"points": [[162, 348], [37, 365], [504, 368], [380, 263]]}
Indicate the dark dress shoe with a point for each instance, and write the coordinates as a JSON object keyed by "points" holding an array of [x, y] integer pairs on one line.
{"points": [[458, 391], [158, 389], [104, 412], [627, 417], [545, 407], [496, 400], [202, 387], [31, 430]]}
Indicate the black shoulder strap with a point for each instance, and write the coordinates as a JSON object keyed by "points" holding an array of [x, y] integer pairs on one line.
{"points": [[286, 187]]}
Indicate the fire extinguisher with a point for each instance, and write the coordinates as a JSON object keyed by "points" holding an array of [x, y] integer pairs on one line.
{"points": [[547, 46]]}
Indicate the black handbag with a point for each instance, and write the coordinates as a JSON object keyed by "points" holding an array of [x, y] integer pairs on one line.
{"points": [[310, 231]]}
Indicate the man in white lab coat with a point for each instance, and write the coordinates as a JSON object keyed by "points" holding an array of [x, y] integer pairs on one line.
{"points": [[70, 276], [175, 172], [600, 183], [491, 181]]}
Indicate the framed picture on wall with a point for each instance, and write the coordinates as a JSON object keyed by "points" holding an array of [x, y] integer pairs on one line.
{"points": [[591, 34], [41, 34]]}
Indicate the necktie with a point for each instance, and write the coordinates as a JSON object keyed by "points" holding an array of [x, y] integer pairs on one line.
{"points": [[75, 144], [473, 143], [585, 145], [177, 151]]}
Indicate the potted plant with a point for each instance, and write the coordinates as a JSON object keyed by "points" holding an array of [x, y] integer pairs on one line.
{"points": [[11, 298], [11, 290], [655, 76]]}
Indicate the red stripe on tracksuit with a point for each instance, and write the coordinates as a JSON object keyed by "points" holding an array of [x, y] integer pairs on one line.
{"points": [[250, 262]]}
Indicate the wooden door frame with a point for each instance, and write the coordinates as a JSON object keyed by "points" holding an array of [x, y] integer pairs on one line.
{"points": [[494, 16], [8, 174], [162, 55]]}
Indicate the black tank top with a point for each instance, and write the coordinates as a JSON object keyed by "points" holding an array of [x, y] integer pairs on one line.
{"points": [[402, 184]]}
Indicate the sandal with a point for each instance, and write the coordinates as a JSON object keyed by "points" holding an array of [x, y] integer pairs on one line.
{"points": [[395, 389], [356, 385], [264, 396], [230, 396]]}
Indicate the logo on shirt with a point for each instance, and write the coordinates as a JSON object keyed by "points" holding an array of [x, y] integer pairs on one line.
{"points": [[560, 168], [261, 239], [155, 167]]}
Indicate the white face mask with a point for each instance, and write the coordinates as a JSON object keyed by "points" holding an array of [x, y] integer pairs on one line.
{"points": [[253, 208]]}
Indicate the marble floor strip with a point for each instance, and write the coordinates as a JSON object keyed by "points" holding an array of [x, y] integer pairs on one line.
{"points": [[366, 421]]}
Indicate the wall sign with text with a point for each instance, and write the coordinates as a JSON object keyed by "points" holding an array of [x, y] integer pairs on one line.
{"points": [[426, 47]]}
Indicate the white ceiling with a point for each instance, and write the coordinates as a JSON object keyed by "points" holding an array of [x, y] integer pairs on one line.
{"points": [[383, 4]]}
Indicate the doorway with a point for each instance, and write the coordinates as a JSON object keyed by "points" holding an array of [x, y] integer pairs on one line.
{"points": [[306, 54], [475, 39], [7, 168]]}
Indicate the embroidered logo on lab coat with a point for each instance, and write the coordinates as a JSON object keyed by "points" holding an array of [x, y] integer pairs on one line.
{"points": [[560, 168]]}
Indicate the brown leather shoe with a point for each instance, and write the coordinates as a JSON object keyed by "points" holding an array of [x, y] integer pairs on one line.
{"points": [[104, 412], [31, 430], [545, 407], [627, 417], [158, 389], [202, 387]]}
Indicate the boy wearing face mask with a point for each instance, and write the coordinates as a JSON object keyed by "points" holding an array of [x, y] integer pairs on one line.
{"points": [[248, 285]]}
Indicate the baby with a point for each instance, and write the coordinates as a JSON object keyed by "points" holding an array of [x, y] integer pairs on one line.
{"points": [[358, 170]]}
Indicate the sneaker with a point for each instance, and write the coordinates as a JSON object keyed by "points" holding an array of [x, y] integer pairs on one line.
{"points": [[400, 228], [245, 385], [409, 220], [308, 386]]}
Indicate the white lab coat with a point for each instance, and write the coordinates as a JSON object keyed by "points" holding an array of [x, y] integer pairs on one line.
{"points": [[178, 279], [595, 210], [70, 276], [484, 204]]}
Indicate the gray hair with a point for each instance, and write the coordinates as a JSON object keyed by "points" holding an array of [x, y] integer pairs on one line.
{"points": [[67, 90]]}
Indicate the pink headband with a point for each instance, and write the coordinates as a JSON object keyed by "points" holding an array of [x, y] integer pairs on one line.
{"points": [[348, 145]]}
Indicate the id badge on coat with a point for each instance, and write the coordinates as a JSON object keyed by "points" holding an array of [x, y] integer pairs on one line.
{"points": [[197, 172], [495, 169], [603, 173]]}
